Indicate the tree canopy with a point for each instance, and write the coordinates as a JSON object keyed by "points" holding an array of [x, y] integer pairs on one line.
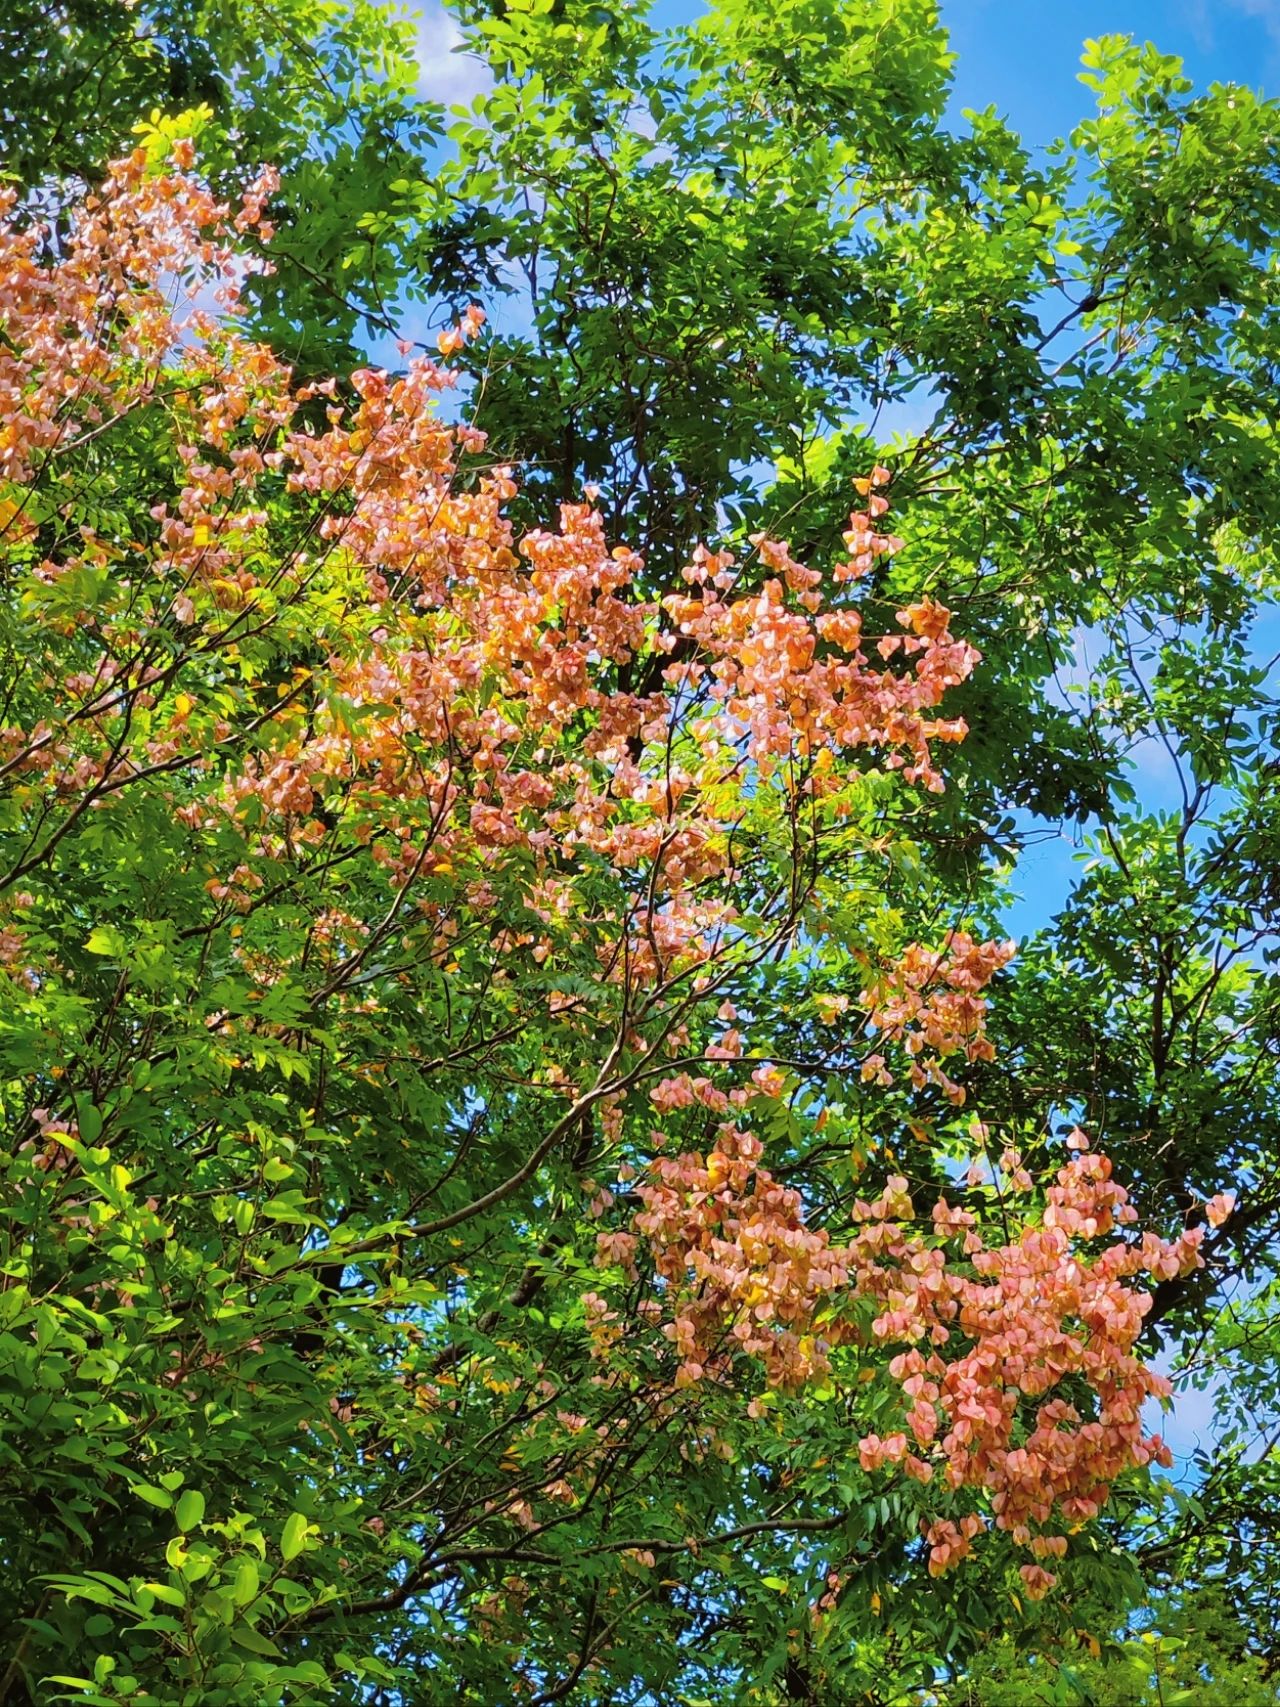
{"points": [[534, 1173]]}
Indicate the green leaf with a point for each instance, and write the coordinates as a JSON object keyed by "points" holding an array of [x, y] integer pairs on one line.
{"points": [[165, 1592], [106, 940], [294, 1536], [190, 1509], [153, 1495], [245, 1587], [247, 1637]]}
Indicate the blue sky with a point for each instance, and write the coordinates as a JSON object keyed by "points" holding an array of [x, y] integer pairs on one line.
{"points": [[1024, 56]]}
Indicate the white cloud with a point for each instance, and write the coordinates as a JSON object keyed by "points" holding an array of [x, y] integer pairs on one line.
{"points": [[1199, 16], [445, 72], [1268, 11]]}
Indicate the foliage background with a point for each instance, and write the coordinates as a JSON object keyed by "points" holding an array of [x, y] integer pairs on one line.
{"points": [[685, 324]]}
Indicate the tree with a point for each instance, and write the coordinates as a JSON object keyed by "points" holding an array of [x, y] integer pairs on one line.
{"points": [[725, 264], [414, 1275], [762, 220], [1193, 1647]]}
